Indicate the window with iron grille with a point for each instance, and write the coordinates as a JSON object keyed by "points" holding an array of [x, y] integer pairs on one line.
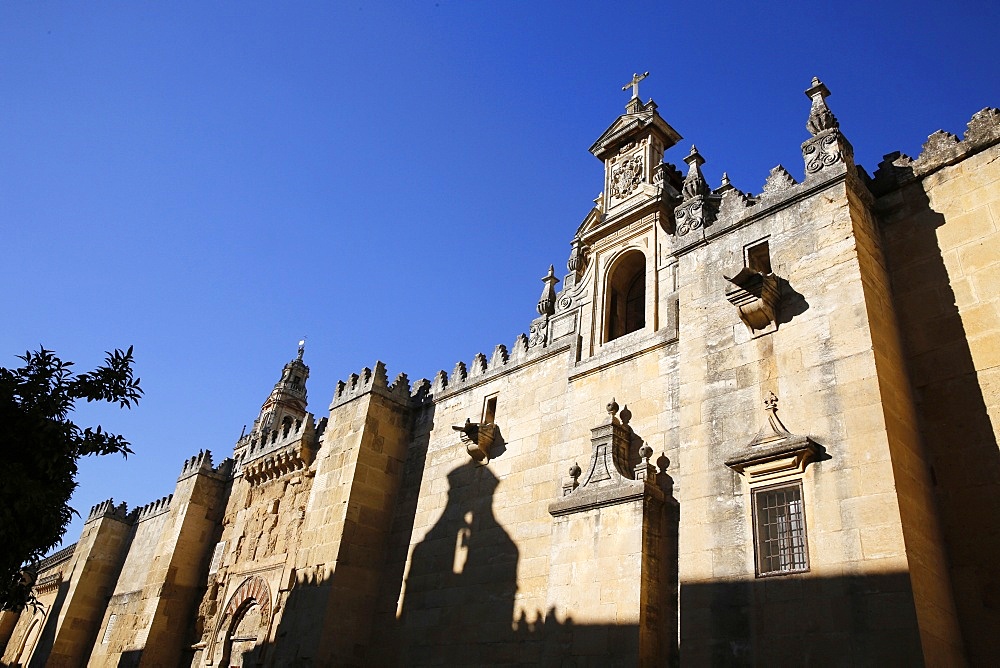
{"points": [[780, 530]]}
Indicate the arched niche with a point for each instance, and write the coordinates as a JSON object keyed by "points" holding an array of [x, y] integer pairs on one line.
{"points": [[625, 295], [244, 625]]}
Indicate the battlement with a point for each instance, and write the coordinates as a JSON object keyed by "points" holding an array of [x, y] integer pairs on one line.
{"points": [[153, 508], [373, 381], [259, 445], [108, 509], [295, 457], [940, 150], [202, 463]]}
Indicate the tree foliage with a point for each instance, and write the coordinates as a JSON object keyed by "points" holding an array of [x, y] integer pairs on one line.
{"points": [[41, 446]]}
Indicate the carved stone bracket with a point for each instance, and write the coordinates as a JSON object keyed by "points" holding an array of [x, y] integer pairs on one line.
{"points": [[756, 296], [478, 439], [609, 478], [774, 451]]}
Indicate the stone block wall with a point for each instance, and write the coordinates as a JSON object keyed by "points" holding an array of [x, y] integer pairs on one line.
{"points": [[826, 361], [941, 223]]}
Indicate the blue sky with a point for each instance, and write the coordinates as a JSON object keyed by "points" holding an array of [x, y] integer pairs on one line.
{"points": [[211, 181]]}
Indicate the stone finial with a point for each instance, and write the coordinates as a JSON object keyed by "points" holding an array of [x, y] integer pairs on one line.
{"points": [[726, 184], [694, 182], [699, 205], [625, 415], [578, 256], [820, 116], [613, 410], [573, 480], [547, 302]]}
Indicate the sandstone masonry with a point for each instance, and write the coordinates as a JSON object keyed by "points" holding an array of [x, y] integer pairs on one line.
{"points": [[743, 430]]}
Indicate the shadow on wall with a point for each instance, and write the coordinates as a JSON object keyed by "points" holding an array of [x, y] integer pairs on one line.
{"points": [[47, 637], [462, 581], [458, 602], [798, 620], [957, 430]]}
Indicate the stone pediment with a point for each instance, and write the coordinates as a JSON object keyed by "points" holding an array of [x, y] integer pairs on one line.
{"points": [[629, 125]]}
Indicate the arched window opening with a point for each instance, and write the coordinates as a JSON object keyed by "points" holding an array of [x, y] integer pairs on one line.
{"points": [[626, 296]]}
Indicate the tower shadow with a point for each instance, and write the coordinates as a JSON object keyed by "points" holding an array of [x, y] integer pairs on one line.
{"points": [[459, 593]]}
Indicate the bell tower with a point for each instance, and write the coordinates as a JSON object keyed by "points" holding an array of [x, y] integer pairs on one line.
{"points": [[622, 278], [632, 152], [288, 398]]}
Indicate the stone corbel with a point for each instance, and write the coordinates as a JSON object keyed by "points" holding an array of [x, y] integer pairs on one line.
{"points": [[774, 451], [756, 296], [478, 439]]}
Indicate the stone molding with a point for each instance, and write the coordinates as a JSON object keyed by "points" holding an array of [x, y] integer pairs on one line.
{"points": [[48, 583], [774, 452]]}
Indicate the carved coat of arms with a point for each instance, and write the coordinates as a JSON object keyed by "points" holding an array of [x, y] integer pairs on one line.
{"points": [[626, 177]]}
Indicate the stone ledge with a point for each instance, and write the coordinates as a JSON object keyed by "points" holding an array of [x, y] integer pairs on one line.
{"points": [[584, 499]]}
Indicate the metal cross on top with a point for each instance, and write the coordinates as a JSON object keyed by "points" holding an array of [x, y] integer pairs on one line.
{"points": [[634, 83]]}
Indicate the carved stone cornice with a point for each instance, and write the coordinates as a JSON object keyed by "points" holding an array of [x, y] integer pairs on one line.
{"points": [[48, 583]]}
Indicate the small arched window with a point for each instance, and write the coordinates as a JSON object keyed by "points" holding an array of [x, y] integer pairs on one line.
{"points": [[626, 300]]}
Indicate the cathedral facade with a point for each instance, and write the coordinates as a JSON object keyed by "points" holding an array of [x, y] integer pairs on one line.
{"points": [[743, 430]]}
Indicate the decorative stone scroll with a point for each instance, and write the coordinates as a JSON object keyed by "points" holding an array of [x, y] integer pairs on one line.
{"points": [[609, 478], [827, 147], [756, 296], [774, 451], [699, 207], [478, 439]]}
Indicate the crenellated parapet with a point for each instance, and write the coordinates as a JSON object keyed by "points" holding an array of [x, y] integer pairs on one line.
{"points": [[940, 150], [376, 381], [201, 463], [703, 214], [109, 509], [153, 508], [278, 463]]}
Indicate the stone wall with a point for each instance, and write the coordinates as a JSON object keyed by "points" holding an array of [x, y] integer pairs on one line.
{"points": [[940, 217]]}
